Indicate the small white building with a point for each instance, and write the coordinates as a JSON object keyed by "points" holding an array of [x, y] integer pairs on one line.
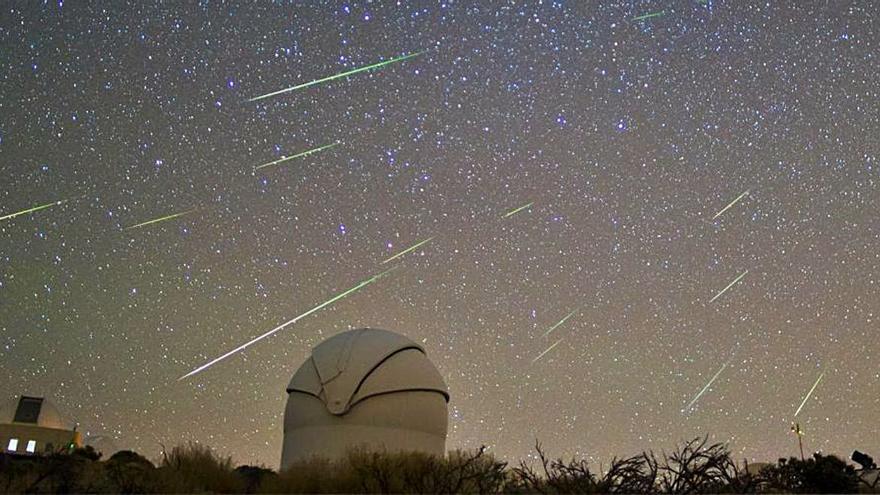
{"points": [[365, 388], [33, 425]]}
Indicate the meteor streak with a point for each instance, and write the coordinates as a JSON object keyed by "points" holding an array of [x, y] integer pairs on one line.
{"points": [[31, 210], [561, 321], [407, 250], [298, 155], [336, 76], [809, 394], [545, 352], [735, 201], [648, 16], [697, 397], [249, 343], [737, 279], [162, 219], [517, 210]]}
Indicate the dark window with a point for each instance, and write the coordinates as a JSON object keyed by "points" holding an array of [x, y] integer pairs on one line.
{"points": [[28, 410]]}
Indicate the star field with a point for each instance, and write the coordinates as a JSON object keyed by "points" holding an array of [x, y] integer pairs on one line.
{"points": [[626, 136]]}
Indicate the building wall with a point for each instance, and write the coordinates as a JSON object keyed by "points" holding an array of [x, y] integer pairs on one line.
{"points": [[46, 439], [394, 422]]}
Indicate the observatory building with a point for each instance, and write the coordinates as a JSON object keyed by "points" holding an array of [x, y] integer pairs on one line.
{"points": [[365, 388], [33, 425]]}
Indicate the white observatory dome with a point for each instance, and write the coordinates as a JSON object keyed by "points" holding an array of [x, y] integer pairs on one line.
{"points": [[365, 388], [33, 410]]}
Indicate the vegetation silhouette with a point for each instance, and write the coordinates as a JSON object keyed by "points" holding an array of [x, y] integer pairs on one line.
{"points": [[692, 468]]}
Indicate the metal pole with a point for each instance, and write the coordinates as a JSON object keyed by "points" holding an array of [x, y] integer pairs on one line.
{"points": [[796, 429], [801, 445]]}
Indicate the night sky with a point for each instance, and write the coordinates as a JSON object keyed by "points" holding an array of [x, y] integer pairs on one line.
{"points": [[627, 136]]}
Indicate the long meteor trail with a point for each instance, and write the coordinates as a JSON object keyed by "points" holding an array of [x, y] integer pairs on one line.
{"points": [[253, 341], [809, 394], [735, 201], [31, 210], [703, 391], [336, 76], [162, 219], [648, 16], [561, 321], [737, 279], [409, 249], [298, 155], [517, 210], [545, 352]]}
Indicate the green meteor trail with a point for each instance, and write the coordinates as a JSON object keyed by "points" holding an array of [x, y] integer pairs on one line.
{"points": [[337, 76], [162, 219], [809, 394], [648, 16], [31, 210], [735, 201], [561, 321], [517, 210], [298, 155], [545, 352], [697, 397], [324, 304], [737, 279], [407, 250]]}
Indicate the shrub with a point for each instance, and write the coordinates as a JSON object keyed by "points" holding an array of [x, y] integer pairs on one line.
{"points": [[818, 474], [130, 472], [255, 477], [695, 467], [196, 468]]}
